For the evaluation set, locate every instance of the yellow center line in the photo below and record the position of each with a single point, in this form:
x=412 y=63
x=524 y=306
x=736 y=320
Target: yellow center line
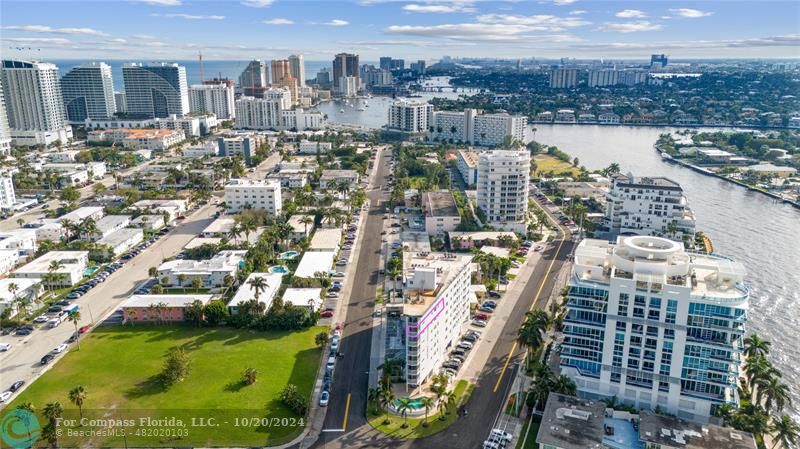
x=346 y=412
x=535 y=300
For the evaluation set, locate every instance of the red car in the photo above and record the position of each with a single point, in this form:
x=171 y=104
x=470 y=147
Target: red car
x=83 y=329
x=482 y=316
x=326 y=313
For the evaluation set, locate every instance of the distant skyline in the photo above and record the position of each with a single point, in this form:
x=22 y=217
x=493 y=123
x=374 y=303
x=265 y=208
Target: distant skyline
x=423 y=29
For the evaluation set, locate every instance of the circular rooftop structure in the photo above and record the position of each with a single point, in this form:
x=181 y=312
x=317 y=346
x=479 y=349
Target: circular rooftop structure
x=651 y=247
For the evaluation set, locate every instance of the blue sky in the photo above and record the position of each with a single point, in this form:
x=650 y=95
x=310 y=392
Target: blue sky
x=423 y=29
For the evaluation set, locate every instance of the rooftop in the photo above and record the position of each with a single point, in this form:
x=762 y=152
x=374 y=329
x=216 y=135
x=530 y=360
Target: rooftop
x=335 y=174
x=246 y=292
x=120 y=236
x=169 y=300
x=81 y=214
x=241 y=182
x=439 y=203
x=112 y=221
x=200 y=241
x=646 y=181
x=313 y=262
x=297 y=226
x=69 y=260
x=572 y=423
x=140 y=133
x=425 y=275
x=223 y=261
x=21 y=283
x=326 y=238
x=469 y=157
x=221 y=225
x=669 y=431
x=301 y=296
x=480 y=236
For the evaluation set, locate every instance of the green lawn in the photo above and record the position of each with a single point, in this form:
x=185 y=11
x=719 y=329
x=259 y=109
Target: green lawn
x=185 y=291
x=117 y=367
x=530 y=443
x=415 y=428
x=546 y=163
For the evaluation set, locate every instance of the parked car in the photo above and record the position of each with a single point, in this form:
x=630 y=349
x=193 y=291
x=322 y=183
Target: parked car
x=324 y=398
x=493 y=294
x=466 y=345
x=486 y=309
x=459 y=353
x=84 y=329
x=5 y=347
x=5 y=395
x=481 y=316
x=332 y=295
x=23 y=331
x=60 y=348
x=42 y=318
x=326 y=314
x=500 y=434
x=479 y=323
x=47 y=358
x=16 y=385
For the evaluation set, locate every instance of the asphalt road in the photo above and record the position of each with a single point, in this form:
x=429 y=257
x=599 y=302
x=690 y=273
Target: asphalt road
x=487 y=398
x=348 y=403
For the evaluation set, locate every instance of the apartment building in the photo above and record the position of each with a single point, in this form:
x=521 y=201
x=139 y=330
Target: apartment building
x=563 y=78
x=211 y=272
x=88 y=92
x=655 y=326
x=648 y=206
x=71 y=265
x=441 y=212
x=410 y=116
x=503 y=188
x=155 y=90
x=140 y=139
x=330 y=178
x=311 y=147
x=467 y=163
x=7 y=196
x=435 y=309
x=249 y=194
x=472 y=127
x=217 y=99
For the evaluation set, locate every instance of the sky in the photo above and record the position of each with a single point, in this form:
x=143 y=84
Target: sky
x=422 y=29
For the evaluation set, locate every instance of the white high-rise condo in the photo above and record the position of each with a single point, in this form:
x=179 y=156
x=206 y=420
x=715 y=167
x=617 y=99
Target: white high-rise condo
x=33 y=103
x=7 y=197
x=648 y=206
x=88 y=92
x=478 y=129
x=297 y=69
x=263 y=113
x=156 y=90
x=655 y=326
x=5 y=131
x=217 y=99
x=410 y=116
x=563 y=78
x=503 y=188
x=243 y=194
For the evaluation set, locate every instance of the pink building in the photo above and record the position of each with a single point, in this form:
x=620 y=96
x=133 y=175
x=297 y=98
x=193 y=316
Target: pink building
x=158 y=308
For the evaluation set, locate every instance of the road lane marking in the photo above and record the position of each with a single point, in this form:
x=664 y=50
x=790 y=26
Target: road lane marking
x=346 y=412
x=535 y=300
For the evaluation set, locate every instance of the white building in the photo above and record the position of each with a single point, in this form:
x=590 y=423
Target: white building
x=655 y=326
x=330 y=178
x=22 y=240
x=303 y=297
x=410 y=116
x=156 y=90
x=311 y=147
x=83 y=213
x=249 y=194
x=140 y=139
x=348 y=86
x=108 y=225
x=297 y=69
x=467 y=163
x=34 y=103
x=7 y=196
x=648 y=206
x=121 y=104
x=326 y=239
x=263 y=113
x=299 y=120
x=8 y=260
x=301 y=230
x=217 y=99
x=121 y=240
x=5 y=131
x=71 y=266
x=88 y=92
x=314 y=262
x=221 y=227
x=441 y=212
x=478 y=129
x=247 y=293
x=602 y=78
x=148 y=222
x=563 y=78
x=28 y=289
x=173 y=208
x=191 y=126
x=212 y=272
x=436 y=310
x=503 y=188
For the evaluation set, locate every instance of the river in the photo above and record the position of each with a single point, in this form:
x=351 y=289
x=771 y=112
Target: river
x=754 y=229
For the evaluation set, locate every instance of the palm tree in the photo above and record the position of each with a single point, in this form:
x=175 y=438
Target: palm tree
x=531 y=334
x=152 y=272
x=785 y=432
x=52 y=411
x=758 y=368
x=771 y=392
x=426 y=402
x=181 y=280
x=403 y=406
x=306 y=220
x=372 y=395
x=755 y=346
x=446 y=401
x=385 y=399
x=28 y=414
x=258 y=285
x=564 y=385
x=74 y=317
x=78 y=396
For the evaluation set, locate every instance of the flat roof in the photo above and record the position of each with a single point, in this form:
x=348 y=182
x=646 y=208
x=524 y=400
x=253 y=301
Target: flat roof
x=495 y=251
x=314 y=261
x=440 y=203
x=246 y=292
x=572 y=423
x=221 y=225
x=301 y=296
x=326 y=238
x=200 y=241
x=222 y=261
x=67 y=258
x=674 y=432
x=469 y=157
x=121 y=235
x=21 y=283
x=81 y=213
x=139 y=301
x=294 y=222
x=333 y=174
x=112 y=221
x=445 y=266
x=482 y=235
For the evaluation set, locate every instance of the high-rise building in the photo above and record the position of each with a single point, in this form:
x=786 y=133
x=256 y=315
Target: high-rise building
x=477 y=129
x=120 y=103
x=655 y=326
x=255 y=75
x=436 y=309
x=418 y=68
x=348 y=86
x=561 y=78
x=281 y=70
x=217 y=99
x=503 y=188
x=243 y=194
x=631 y=77
x=263 y=113
x=297 y=69
x=33 y=102
x=385 y=62
x=410 y=116
x=602 y=77
x=345 y=65
x=658 y=60
x=5 y=131
x=373 y=77
x=648 y=206
x=156 y=90
x=324 y=78
x=7 y=197
x=89 y=92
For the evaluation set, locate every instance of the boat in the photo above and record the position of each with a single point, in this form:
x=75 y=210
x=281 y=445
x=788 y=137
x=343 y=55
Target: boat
x=341 y=110
x=360 y=109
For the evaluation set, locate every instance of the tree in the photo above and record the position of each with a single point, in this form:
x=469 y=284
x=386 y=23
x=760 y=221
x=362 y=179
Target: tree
x=181 y=280
x=531 y=334
x=152 y=272
x=292 y=398
x=403 y=407
x=258 y=284
x=99 y=189
x=785 y=432
x=176 y=367
x=564 y=385
x=69 y=195
x=26 y=413
x=215 y=313
x=306 y=220
x=74 y=317
x=756 y=346
x=385 y=399
x=197 y=283
x=427 y=403
x=53 y=411
x=249 y=376
x=321 y=339
x=372 y=397
x=78 y=396
x=772 y=392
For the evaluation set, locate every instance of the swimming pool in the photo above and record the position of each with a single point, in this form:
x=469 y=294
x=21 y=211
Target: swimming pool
x=288 y=255
x=278 y=269
x=416 y=403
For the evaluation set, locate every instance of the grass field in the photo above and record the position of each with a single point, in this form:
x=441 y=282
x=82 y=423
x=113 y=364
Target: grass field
x=546 y=163
x=415 y=427
x=530 y=443
x=117 y=367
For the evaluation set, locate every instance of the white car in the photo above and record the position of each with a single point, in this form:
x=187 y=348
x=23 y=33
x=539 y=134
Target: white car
x=5 y=395
x=337 y=333
x=5 y=347
x=499 y=434
x=335 y=345
x=324 y=398
x=465 y=345
x=41 y=319
x=60 y=348
x=479 y=323
x=490 y=445
x=332 y=295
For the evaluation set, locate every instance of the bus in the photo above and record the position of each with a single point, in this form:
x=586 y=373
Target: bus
x=71 y=309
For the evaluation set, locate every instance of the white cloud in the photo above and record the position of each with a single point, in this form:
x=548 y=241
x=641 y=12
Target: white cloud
x=542 y=22
x=630 y=27
x=578 y=12
x=258 y=3
x=118 y=40
x=189 y=16
x=154 y=44
x=455 y=7
x=563 y=2
x=38 y=40
x=631 y=14
x=690 y=13
x=162 y=2
x=665 y=17
x=480 y=32
x=144 y=36
x=336 y=23
x=789 y=40
x=48 y=29
x=278 y=21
